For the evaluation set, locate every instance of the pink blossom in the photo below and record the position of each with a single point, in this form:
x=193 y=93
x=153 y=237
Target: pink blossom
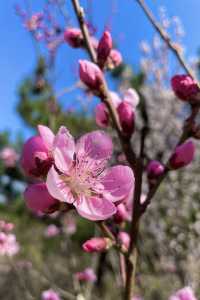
x=96 y=244
x=184 y=294
x=121 y=214
x=184 y=87
x=34 y=22
x=104 y=48
x=69 y=225
x=73 y=37
x=7 y=227
x=50 y=295
x=154 y=169
x=51 y=231
x=37 y=153
x=115 y=58
x=9 y=157
x=183 y=155
x=126 y=117
x=124 y=239
x=86 y=275
x=8 y=244
x=91 y=75
x=81 y=178
x=38 y=198
x=101 y=115
x=131 y=96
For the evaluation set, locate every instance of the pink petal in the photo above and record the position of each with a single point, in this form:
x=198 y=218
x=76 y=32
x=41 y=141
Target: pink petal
x=95 y=209
x=64 y=148
x=57 y=187
x=101 y=115
x=46 y=135
x=96 y=145
x=118 y=182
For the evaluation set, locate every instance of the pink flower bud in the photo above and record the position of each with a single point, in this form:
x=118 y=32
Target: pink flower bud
x=38 y=199
x=101 y=115
x=51 y=231
x=91 y=75
x=154 y=169
x=126 y=117
x=35 y=160
x=183 y=155
x=73 y=36
x=121 y=214
x=104 y=48
x=184 y=294
x=97 y=244
x=184 y=87
x=86 y=275
x=9 y=157
x=124 y=239
x=50 y=295
x=115 y=58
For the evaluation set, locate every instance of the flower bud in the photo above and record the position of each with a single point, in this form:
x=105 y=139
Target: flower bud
x=184 y=294
x=124 y=239
x=50 y=295
x=38 y=198
x=104 y=48
x=183 y=155
x=154 y=169
x=126 y=117
x=115 y=58
x=90 y=75
x=121 y=214
x=74 y=37
x=184 y=87
x=98 y=244
x=101 y=115
x=86 y=275
x=9 y=157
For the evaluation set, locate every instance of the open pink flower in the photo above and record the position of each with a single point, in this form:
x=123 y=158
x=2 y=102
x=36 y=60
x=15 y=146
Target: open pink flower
x=184 y=294
x=80 y=177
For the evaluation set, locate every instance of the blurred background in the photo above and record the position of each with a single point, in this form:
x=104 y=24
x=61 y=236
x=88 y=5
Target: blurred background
x=40 y=85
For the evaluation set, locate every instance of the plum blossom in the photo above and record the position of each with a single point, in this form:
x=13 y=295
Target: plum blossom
x=34 y=22
x=51 y=231
x=86 y=275
x=8 y=244
x=9 y=157
x=124 y=239
x=184 y=294
x=80 y=177
x=50 y=295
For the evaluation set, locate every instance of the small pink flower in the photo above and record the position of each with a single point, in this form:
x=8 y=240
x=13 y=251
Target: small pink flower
x=73 y=36
x=9 y=157
x=97 y=244
x=184 y=87
x=131 y=96
x=50 y=295
x=8 y=227
x=91 y=75
x=81 y=178
x=37 y=153
x=183 y=155
x=154 y=169
x=184 y=294
x=124 y=239
x=86 y=275
x=104 y=48
x=126 y=117
x=115 y=58
x=38 y=198
x=121 y=214
x=8 y=244
x=51 y=231
x=34 y=22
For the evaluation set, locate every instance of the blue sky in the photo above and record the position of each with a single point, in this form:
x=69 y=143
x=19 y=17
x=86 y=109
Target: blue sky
x=129 y=27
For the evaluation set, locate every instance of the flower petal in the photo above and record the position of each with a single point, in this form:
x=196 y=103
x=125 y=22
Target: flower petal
x=47 y=136
x=57 y=187
x=63 y=149
x=118 y=182
x=94 y=208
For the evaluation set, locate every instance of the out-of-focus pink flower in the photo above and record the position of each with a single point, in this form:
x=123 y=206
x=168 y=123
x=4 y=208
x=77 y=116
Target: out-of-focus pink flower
x=8 y=244
x=104 y=48
x=69 y=225
x=80 y=176
x=126 y=117
x=37 y=153
x=154 y=169
x=184 y=294
x=115 y=58
x=51 y=231
x=121 y=214
x=34 y=22
x=91 y=75
x=9 y=157
x=7 y=227
x=86 y=275
x=50 y=295
x=74 y=37
x=96 y=244
x=184 y=87
x=124 y=239
x=38 y=198
x=131 y=96
x=136 y=298
x=183 y=155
